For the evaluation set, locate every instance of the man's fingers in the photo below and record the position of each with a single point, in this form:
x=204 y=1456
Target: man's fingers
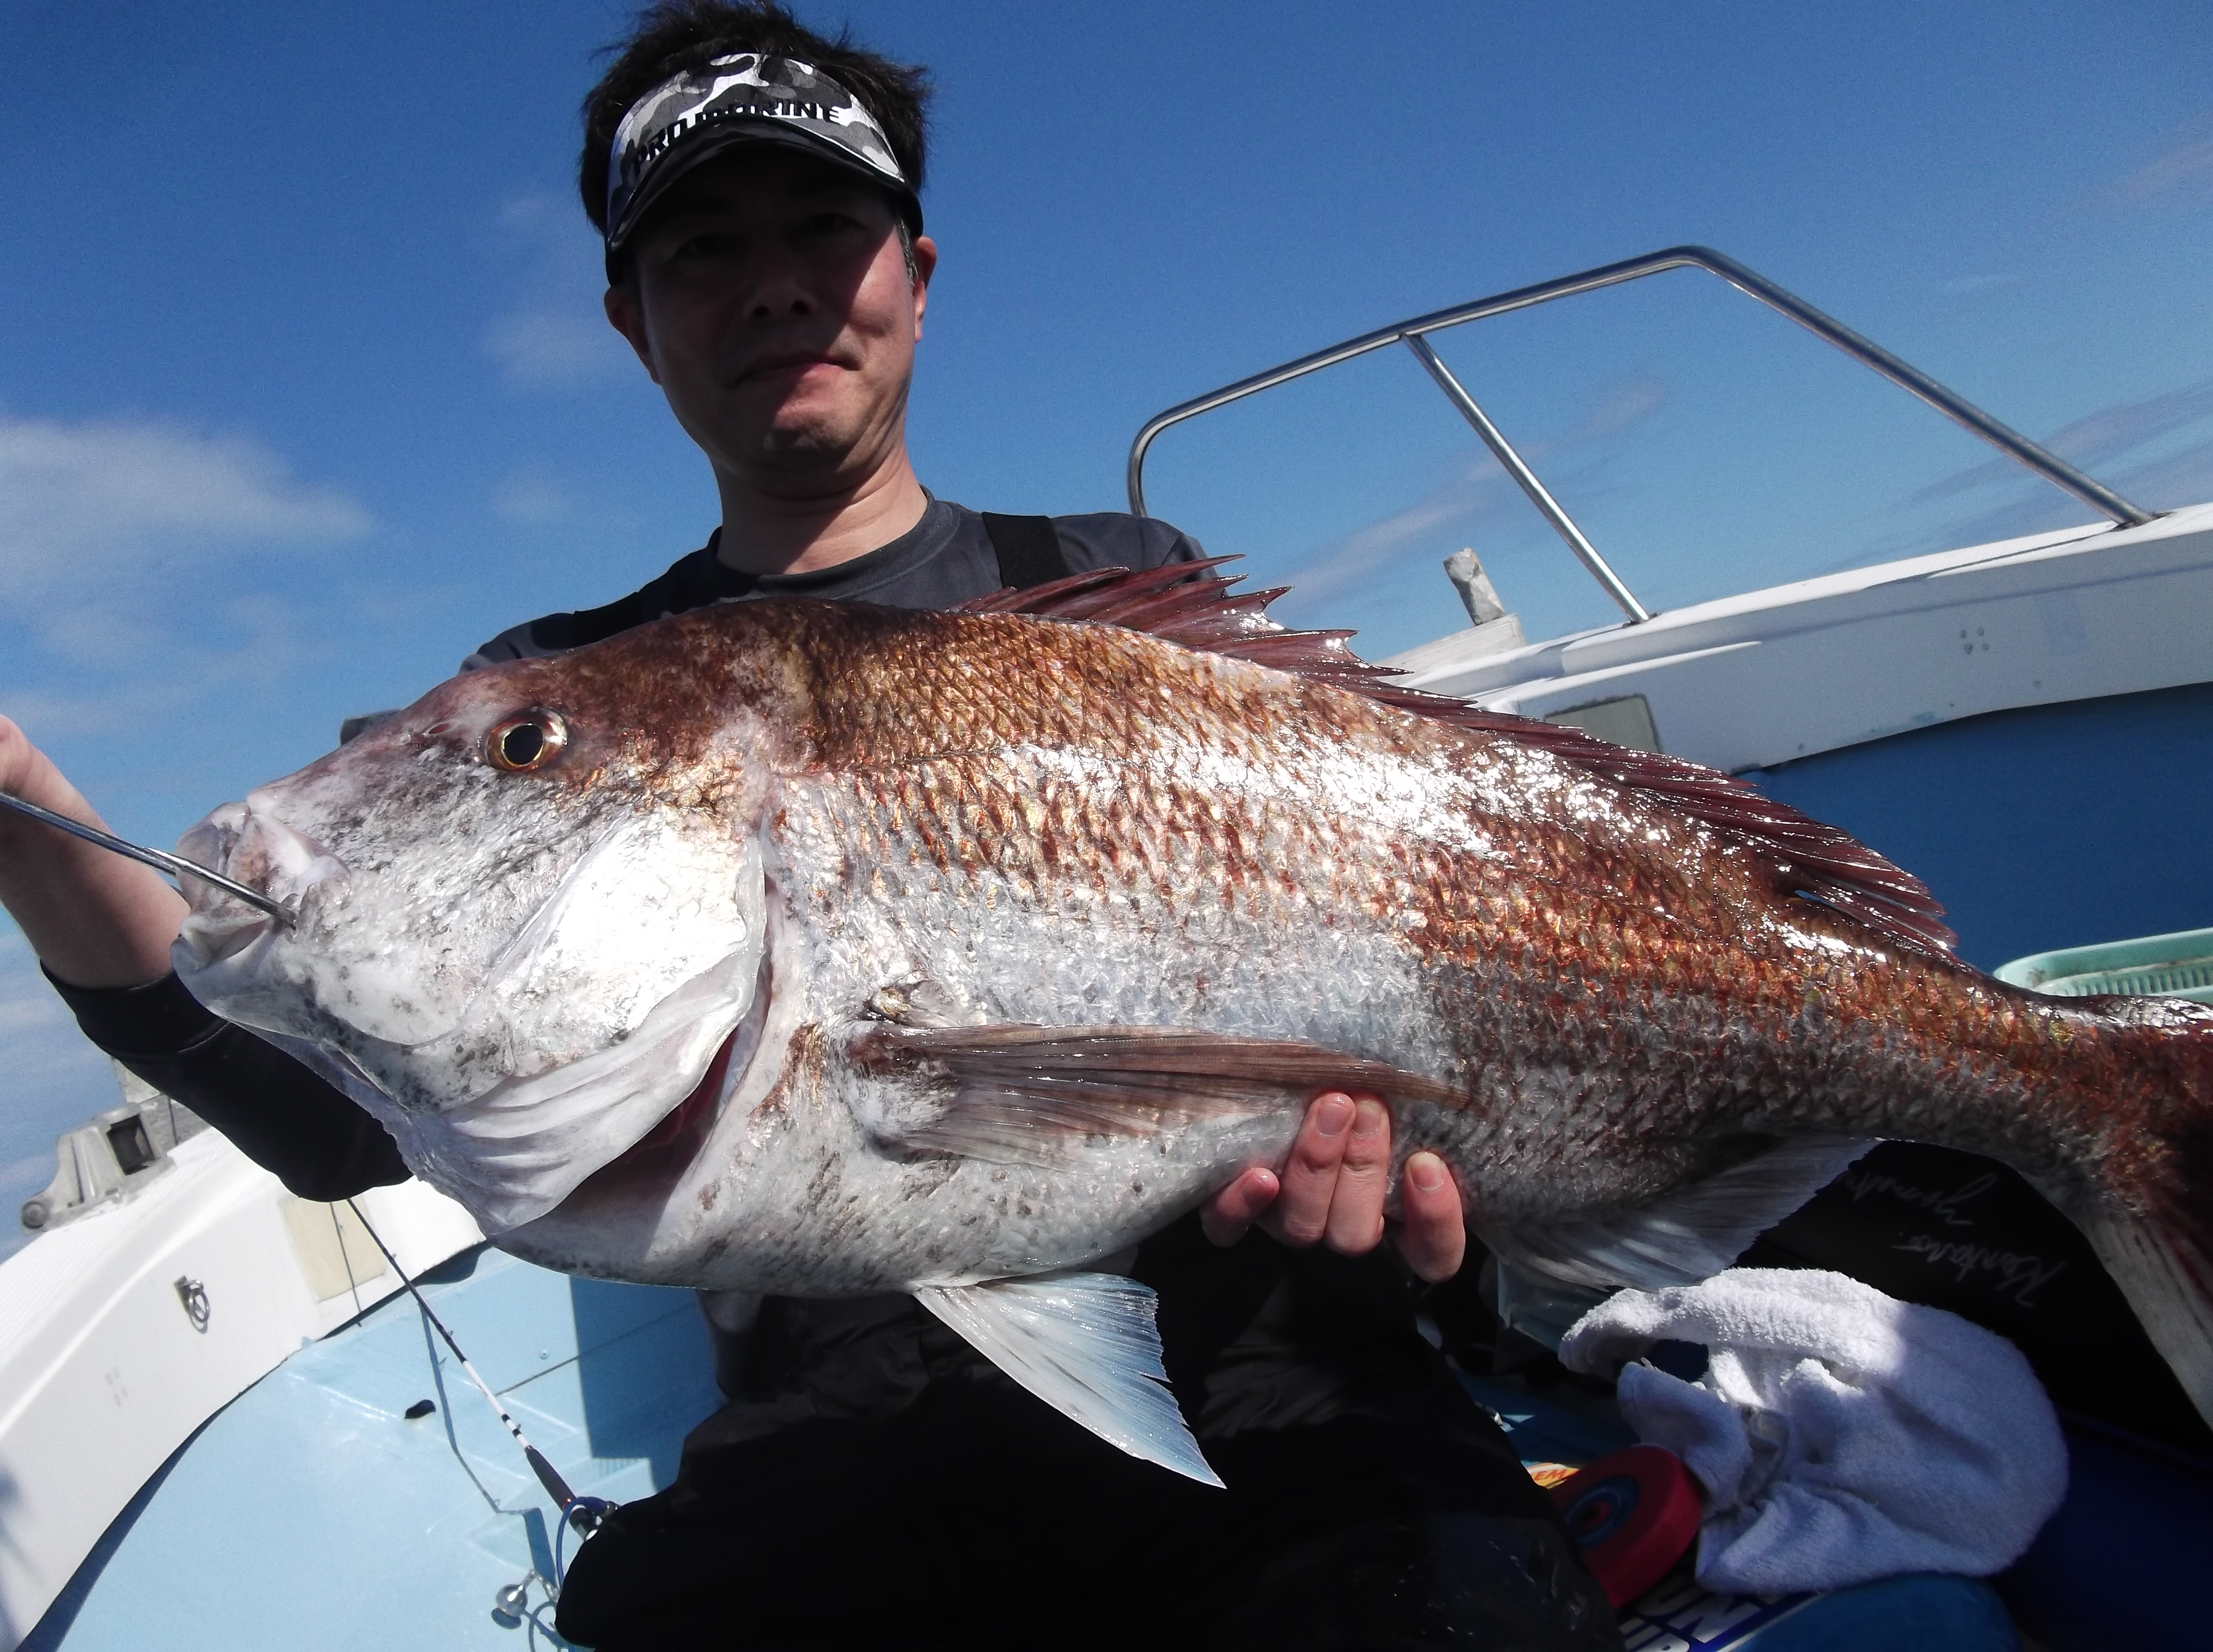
x=1355 y=1207
x=1301 y=1216
x=1433 y=1237
x=15 y=757
x=1332 y=1189
x=1236 y=1207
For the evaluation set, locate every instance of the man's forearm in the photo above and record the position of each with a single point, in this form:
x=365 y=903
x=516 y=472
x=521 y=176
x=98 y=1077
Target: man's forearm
x=279 y=1114
x=94 y=918
x=102 y=925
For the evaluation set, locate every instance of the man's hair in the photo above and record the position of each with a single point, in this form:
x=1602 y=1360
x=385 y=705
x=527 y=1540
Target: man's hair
x=673 y=36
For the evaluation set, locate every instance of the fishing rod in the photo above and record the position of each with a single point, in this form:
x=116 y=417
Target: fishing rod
x=161 y=860
x=585 y=1514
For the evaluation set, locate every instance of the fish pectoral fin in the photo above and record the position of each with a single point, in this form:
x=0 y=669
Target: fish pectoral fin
x=1030 y=1095
x=1690 y=1234
x=1086 y=1344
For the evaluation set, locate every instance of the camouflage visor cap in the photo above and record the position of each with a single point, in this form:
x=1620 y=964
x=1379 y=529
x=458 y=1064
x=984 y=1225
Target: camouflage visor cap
x=747 y=97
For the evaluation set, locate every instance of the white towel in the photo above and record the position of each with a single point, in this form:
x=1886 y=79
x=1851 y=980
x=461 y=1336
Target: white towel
x=1841 y=1435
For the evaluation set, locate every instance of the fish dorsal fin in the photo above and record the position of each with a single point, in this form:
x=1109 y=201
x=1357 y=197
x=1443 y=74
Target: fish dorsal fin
x=1086 y=1344
x=1188 y=603
x=1690 y=1235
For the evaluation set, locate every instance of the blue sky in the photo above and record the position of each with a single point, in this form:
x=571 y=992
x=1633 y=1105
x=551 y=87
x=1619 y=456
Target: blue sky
x=305 y=390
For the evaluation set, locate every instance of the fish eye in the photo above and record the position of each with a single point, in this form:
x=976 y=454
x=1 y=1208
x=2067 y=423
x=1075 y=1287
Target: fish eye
x=529 y=740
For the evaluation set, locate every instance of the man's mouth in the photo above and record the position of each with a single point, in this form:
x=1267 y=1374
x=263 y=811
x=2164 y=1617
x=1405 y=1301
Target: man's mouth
x=794 y=363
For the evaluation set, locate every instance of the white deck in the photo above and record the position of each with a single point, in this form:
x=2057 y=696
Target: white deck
x=104 y=1372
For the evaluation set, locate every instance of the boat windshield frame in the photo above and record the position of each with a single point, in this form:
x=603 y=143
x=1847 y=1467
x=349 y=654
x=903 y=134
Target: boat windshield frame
x=1414 y=334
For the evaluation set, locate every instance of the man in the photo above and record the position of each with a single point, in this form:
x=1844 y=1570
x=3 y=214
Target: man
x=873 y=1481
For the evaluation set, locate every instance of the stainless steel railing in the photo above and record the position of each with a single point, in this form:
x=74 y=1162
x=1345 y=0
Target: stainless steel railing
x=1414 y=335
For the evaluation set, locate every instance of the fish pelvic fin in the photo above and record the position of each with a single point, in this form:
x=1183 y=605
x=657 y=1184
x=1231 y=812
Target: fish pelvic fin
x=1688 y=1236
x=1086 y=1344
x=1023 y=1095
x=1189 y=604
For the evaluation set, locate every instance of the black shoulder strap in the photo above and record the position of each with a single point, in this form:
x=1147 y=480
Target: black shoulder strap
x=1029 y=550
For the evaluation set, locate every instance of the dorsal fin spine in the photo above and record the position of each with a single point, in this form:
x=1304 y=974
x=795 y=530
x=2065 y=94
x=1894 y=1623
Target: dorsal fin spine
x=1189 y=604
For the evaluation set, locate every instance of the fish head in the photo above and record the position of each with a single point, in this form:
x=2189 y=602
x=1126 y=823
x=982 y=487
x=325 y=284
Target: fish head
x=522 y=917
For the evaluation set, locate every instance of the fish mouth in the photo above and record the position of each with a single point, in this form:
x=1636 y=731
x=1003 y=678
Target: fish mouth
x=246 y=843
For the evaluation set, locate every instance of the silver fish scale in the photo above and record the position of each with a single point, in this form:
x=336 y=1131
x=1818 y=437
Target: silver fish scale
x=1177 y=887
x=949 y=871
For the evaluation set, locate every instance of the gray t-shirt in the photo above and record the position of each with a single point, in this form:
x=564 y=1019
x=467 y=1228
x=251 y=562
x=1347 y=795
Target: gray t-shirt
x=944 y=558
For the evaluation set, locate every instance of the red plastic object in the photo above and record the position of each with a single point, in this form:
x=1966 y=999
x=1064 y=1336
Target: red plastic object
x=1634 y=1515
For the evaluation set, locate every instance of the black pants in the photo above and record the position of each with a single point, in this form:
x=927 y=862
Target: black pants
x=979 y=1518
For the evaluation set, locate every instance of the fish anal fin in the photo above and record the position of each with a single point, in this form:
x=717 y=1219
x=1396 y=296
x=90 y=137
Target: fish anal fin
x=1690 y=1235
x=1086 y=1344
x=1029 y=1094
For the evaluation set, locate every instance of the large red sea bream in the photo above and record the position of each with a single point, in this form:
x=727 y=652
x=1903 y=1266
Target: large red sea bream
x=821 y=950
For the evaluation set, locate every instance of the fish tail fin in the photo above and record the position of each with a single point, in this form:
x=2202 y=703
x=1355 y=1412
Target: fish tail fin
x=2156 y=1237
x=2166 y=1279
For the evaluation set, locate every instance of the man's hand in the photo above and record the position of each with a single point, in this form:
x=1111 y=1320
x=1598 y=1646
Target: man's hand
x=1332 y=1192
x=94 y=918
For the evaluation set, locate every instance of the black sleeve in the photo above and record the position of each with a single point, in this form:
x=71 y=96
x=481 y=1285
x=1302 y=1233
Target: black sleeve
x=318 y=1142
x=693 y=580
x=557 y=633
x=1114 y=539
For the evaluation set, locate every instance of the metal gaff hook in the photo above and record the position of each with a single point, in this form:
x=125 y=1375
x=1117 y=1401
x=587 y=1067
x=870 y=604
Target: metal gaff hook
x=159 y=860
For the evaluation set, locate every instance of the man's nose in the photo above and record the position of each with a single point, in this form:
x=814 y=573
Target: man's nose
x=770 y=306
x=780 y=287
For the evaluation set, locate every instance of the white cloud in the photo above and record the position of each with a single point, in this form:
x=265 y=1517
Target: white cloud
x=541 y=346
x=85 y=503
x=2175 y=479
x=1474 y=492
x=1971 y=286
x=19 y=1017
x=529 y=499
x=1623 y=404
x=107 y=529
x=2179 y=179
x=51 y=1079
x=28 y=1004
x=263 y=639
x=2103 y=437
x=2182 y=177
x=554 y=334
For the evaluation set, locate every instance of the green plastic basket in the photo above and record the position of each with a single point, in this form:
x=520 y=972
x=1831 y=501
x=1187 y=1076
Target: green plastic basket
x=2179 y=965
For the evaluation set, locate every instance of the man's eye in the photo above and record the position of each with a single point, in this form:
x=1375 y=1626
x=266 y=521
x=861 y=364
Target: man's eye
x=707 y=245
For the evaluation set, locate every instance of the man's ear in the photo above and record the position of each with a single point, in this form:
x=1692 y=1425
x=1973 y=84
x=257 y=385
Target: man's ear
x=627 y=317
x=926 y=266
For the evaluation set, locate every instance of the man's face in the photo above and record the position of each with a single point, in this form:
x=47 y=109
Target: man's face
x=770 y=300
